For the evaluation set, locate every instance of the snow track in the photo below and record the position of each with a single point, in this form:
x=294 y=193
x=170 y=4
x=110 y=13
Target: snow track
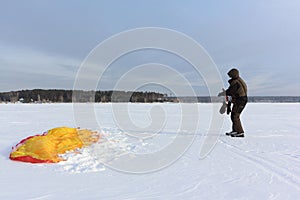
x=268 y=166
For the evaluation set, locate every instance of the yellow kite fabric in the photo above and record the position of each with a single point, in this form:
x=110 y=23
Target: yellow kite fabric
x=48 y=147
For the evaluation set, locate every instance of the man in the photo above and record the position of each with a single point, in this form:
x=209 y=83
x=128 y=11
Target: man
x=238 y=92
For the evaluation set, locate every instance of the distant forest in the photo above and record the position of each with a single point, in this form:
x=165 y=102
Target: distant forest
x=66 y=96
x=53 y=95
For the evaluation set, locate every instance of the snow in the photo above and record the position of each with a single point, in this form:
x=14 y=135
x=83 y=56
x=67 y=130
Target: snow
x=263 y=165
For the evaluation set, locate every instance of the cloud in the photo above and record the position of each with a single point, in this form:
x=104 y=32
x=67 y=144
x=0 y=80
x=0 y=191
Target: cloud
x=23 y=68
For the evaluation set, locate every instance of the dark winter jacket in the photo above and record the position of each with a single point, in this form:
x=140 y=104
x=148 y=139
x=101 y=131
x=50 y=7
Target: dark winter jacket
x=238 y=88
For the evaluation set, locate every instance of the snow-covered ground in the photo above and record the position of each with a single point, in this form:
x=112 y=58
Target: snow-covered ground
x=263 y=165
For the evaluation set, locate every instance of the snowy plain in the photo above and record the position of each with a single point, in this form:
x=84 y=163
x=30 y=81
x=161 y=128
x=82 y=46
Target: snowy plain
x=263 y=165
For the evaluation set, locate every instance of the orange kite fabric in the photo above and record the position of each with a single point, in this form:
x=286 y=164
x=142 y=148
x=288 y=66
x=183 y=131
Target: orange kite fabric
x=48 y=147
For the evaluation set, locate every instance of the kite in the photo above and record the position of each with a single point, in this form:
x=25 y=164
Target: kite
x=47 y=147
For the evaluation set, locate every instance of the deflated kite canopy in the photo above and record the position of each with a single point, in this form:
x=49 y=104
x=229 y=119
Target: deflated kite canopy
x=48 y=147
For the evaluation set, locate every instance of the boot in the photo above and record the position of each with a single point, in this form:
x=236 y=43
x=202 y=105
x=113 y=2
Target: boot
x=236 y=134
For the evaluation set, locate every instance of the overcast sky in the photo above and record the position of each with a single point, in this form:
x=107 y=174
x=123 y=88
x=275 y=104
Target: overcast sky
x=43 y=43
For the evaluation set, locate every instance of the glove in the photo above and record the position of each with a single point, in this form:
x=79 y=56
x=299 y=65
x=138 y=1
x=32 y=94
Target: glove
x=228 y=107
x=223 y=93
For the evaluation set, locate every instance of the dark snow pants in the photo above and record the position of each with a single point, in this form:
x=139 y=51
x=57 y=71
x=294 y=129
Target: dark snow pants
x=237 y=109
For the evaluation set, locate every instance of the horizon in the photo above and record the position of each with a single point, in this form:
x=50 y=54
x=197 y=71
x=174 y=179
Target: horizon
x=138 y=91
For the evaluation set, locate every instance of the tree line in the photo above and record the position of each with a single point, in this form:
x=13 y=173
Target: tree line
x=54 y=95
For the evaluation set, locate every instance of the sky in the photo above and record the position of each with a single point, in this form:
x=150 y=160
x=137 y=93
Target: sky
x=43 y=43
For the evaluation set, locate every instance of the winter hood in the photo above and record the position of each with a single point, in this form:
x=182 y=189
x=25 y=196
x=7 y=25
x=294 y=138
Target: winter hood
x=233 y=73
